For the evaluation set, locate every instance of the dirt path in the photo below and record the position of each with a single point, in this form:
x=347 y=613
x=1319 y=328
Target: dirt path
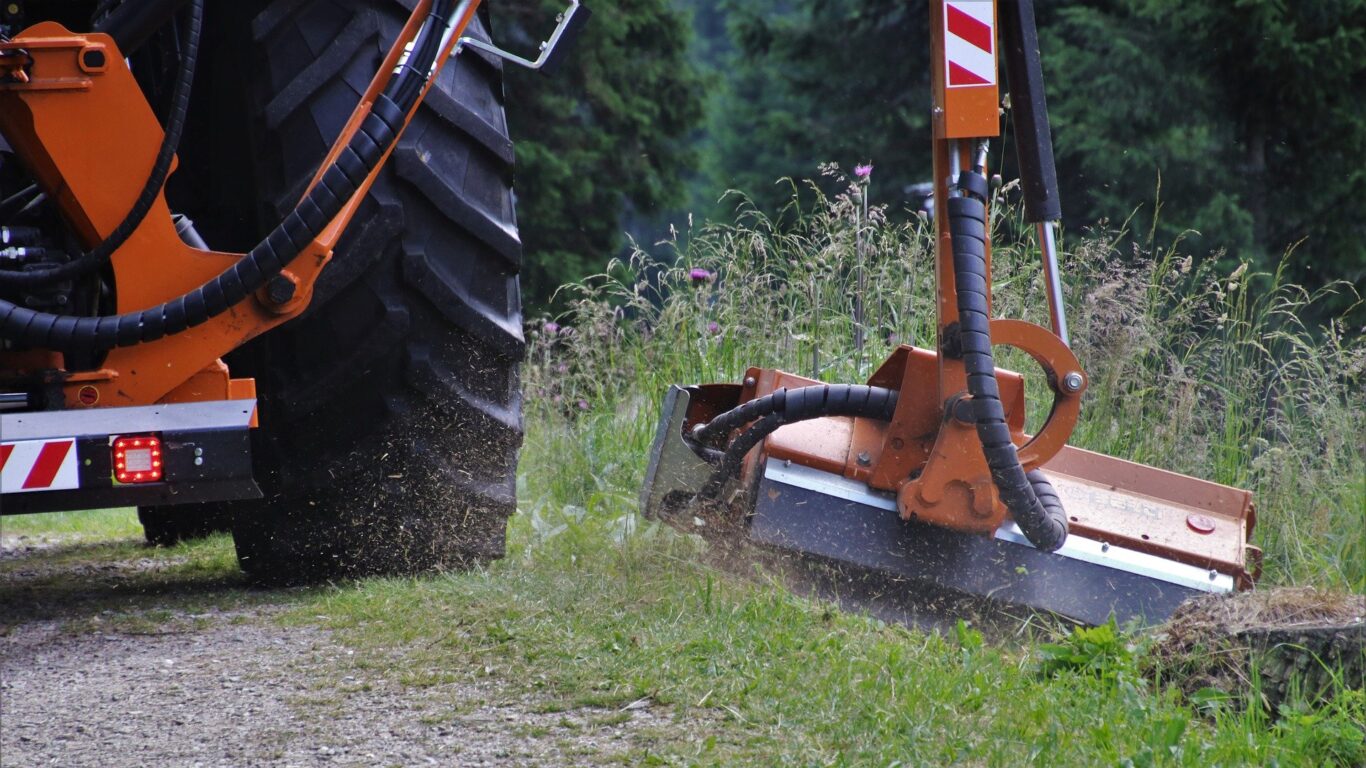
x=232 y=687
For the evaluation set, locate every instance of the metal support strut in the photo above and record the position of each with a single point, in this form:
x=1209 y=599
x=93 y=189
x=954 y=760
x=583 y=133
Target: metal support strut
x=552 y=51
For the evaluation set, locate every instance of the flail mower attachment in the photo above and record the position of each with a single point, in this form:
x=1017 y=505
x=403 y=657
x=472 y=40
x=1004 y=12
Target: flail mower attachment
x=921 y=490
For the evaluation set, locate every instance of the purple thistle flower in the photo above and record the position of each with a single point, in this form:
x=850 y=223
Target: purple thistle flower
x=551 y=327
x=699 y=275
x=713 y=328
x=863 y=171
x=583 y=405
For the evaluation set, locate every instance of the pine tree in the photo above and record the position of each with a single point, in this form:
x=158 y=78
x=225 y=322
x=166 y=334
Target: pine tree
x=602 y=136
x=1241 y=120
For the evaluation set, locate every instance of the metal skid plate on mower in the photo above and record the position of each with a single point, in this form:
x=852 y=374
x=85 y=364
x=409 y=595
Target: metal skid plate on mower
x=674 y=470
x=818 y=514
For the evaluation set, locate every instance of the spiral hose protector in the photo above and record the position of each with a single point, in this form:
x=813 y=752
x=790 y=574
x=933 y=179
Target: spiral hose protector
x=1029 y=497
x=787 y=406
x=286 y=241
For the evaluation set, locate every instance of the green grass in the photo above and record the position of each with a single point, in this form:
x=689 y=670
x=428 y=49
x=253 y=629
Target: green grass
x=754 y=676
x=94 y=524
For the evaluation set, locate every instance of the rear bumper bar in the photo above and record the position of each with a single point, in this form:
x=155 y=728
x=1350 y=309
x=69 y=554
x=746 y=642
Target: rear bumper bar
x=61 y=460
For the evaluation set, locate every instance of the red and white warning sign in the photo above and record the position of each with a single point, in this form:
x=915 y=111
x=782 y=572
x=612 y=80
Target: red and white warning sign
x=38 y=465
x=969 y=43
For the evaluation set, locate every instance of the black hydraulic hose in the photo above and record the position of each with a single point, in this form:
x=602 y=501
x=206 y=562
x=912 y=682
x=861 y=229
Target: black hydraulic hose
x=426 y=45
x=289 y=238
x=1030 y=498
x=175 y=124
x=734 y=457
x=787 y=406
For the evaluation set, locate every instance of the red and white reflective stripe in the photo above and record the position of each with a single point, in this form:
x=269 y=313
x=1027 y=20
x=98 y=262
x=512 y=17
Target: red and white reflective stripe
x=969 y=43
x=38 y=465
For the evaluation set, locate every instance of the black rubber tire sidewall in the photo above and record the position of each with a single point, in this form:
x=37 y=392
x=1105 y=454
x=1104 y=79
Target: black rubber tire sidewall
x=390 y=411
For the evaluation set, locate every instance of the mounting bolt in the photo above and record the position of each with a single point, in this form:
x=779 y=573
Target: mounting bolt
x=280 y=289
x=1213 y=574
x=864 y=459
x=1073 y=382
x=749 y=381
x=962 y=410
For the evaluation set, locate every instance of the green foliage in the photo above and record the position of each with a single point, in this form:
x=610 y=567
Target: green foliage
x=1241 y=109
x=600 y=138
x=811 y=81
x=1238 y=120
x=1100 y=651
x=1335 y=731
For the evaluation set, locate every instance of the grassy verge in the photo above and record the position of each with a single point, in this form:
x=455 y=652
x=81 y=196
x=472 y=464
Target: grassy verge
x=754 y=676
x=733 y=671
x=95 y=524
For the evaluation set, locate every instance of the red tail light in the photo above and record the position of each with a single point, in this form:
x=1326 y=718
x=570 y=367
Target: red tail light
x=137 y=459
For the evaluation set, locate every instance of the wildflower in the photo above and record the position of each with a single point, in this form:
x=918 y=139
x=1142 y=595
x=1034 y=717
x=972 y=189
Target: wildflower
x=863 y=171
x=551 y=328
x=583 y=405
x=698 y=275
x=713 y=328
x=562 y=368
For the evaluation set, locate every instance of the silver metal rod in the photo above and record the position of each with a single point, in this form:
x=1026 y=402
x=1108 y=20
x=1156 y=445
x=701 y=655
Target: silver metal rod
x=10 y=401
x=955 y=167
x=1057 y=314
x=543 y=54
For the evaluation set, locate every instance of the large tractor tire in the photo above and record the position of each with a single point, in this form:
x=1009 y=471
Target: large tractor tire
x=168 y=526
x=390 y=410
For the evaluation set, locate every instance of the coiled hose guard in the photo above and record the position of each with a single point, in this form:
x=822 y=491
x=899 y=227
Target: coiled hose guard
x=1029 y=497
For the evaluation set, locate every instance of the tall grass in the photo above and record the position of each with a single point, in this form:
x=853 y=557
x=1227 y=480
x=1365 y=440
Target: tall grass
x=1207 y=372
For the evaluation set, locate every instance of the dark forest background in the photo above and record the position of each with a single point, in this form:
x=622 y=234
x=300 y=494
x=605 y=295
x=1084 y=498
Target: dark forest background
x=1240 y=124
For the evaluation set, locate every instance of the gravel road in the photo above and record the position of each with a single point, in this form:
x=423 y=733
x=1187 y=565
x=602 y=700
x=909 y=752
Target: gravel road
x=232 y=687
